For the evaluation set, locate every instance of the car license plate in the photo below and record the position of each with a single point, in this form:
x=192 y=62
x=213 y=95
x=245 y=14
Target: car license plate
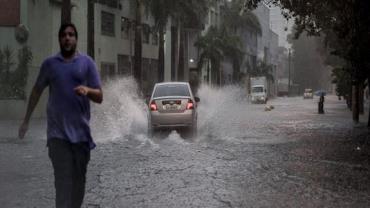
x=170 y=107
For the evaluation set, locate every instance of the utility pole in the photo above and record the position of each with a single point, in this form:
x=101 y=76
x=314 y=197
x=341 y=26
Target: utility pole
x=289 y=57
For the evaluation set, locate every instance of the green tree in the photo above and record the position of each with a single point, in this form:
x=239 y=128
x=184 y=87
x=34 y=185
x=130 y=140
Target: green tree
x=211 y=46
x=346 y=22
x=161 y=11
x=215 y=46
x=184 y=14
x=234 y=21
x=187 y=14
x=263 y=69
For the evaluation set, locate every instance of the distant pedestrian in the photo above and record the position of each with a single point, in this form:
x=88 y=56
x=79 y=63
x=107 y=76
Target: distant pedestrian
x=321 y=104
x=73 y=81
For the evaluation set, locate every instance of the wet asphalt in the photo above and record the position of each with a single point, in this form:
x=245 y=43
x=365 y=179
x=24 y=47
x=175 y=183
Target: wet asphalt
x=243 y=156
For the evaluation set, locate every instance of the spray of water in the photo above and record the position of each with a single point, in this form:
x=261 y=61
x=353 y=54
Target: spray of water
x=122 y=114
x=220 y=109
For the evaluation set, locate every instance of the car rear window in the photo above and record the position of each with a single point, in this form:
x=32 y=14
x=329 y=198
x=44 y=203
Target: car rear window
x=257 y=89
x=171 y=90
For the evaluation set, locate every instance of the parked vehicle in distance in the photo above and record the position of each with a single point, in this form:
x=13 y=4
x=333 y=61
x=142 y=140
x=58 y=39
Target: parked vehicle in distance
x=308 y=94
x=172 y=106
x=258 y=90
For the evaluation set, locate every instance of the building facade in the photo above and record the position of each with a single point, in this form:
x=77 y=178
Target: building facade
x=112 y=42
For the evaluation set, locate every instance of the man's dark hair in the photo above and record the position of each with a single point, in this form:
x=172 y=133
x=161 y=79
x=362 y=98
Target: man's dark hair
x=64 y=26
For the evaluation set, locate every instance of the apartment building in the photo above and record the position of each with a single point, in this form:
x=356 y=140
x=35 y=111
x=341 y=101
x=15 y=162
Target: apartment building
x=112 y=46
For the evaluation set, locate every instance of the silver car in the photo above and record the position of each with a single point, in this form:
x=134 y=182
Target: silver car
x=172 y=106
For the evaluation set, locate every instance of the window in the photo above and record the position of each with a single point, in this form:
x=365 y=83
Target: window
x=107 y=24
x=146 y=33
x=125 y=28
x=124 y=65
x=257 y=89
x=110 y=3
x=10 y=13
x=171 y=90
x=155 y=39
x=107 y=71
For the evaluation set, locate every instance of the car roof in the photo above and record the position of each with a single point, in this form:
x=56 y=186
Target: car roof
x=169 y=83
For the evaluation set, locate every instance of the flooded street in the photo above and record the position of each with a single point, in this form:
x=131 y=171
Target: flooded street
x=243 y=156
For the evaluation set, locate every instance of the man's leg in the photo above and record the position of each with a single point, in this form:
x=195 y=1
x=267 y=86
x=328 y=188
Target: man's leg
x=81 y=155
x=60 y=153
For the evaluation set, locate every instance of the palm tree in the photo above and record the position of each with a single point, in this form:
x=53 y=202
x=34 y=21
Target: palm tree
x=215 y=46
x=234 y=21
x=182 y=12
x=187 y=13
x=232 y=50
x=211 y=46
x=263 y=69
x=160 y=10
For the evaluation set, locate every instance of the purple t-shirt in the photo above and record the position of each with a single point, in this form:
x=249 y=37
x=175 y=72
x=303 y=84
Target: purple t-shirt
x=68 y=114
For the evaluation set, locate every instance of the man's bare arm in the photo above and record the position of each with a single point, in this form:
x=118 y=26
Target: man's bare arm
x=34 y=99
x=96 y=95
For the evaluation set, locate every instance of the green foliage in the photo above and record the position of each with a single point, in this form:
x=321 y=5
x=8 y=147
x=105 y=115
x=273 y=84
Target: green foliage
x=233 y=17
x=216 y=45
x=262 y=69
x=345 y=24
x=342 y=79
x=13 y=83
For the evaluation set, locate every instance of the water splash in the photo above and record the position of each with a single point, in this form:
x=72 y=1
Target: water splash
x=218 y=110
x=123 y=113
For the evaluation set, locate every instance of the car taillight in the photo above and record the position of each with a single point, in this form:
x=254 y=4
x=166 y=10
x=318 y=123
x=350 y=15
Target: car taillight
x=153 y=106
x=190 y=105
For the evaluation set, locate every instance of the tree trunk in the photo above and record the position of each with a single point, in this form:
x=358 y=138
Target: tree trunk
x=361 y=98
x=174 y=52
x=368 y=85
x=236 y=69
x=138 y=45
x=214 y=72
x=66 y=12
x=180 y=71
x=161 y=55
x=90 y=29
x=355 y=102
x=349 y=99
x=208 y=71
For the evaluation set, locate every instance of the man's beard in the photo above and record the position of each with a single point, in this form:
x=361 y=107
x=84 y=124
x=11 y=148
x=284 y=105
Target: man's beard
x=67 y=53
